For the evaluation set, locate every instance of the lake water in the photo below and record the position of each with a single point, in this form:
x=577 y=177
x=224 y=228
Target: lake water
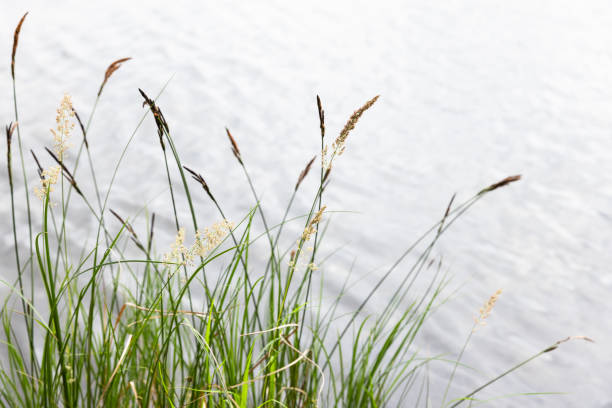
x=471 y=92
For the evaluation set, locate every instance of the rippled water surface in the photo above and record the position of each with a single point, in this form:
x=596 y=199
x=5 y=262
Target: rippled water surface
x=471 y=92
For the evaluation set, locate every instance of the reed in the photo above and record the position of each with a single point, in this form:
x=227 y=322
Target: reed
x=202 y=323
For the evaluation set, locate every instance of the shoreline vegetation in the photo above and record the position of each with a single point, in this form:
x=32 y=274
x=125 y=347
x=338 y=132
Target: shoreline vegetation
x=202 y=324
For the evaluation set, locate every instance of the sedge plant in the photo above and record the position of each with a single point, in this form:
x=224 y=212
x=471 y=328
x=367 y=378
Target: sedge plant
x=202 y=323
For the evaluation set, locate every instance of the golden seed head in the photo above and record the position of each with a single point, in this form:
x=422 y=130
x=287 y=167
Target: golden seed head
x=64 y=125
x=177 y=249
x=210 y=238
x=311 y=228
x=339 y=145
x=48 y=178
x=205 y=241
x=485 y=311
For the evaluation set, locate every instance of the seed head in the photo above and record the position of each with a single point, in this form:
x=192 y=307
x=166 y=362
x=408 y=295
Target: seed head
x=235 y=149
x=209 y=238
x=9 y=136
x=48 y=179
x=485 y=311
x=304 y=173
x=321 y=117
x=339 y=144
x=502 y=183
x=177 y=249
x=15 y=42
x=64 y=125
x=160 y=121
x=110 y=70
x=311 y=228
x=198 y=177
x=205 y=241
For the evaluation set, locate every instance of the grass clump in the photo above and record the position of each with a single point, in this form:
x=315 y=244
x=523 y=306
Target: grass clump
x=204 y=324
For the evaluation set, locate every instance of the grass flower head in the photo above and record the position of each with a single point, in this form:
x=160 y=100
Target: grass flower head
x=205 y=241
x=311 y=228
x=48 y=178
x=64 y=125
x=485 y=311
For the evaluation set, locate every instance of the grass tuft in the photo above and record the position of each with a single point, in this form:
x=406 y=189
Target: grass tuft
x=118 y=322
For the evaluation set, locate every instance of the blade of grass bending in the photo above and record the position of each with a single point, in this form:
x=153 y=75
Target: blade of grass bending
x=467 y=203
x=456 y=213
x=552 y=347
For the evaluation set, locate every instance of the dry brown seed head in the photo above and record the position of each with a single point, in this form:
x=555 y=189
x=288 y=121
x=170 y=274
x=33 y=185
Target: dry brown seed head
x=10 y=128
x=198 y=177
x=502 y=183
x=160 y=121
x=235 y=149
x=321 y=117
x=15 y=42
x=9 y=136
x=304 y=173
x=110 y=70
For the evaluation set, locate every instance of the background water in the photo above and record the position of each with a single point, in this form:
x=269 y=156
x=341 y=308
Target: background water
x=471 y=92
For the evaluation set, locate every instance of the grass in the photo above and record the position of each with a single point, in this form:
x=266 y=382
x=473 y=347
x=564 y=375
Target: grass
x=205 y=324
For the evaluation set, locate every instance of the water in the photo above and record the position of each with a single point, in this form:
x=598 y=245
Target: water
x=470 y=92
